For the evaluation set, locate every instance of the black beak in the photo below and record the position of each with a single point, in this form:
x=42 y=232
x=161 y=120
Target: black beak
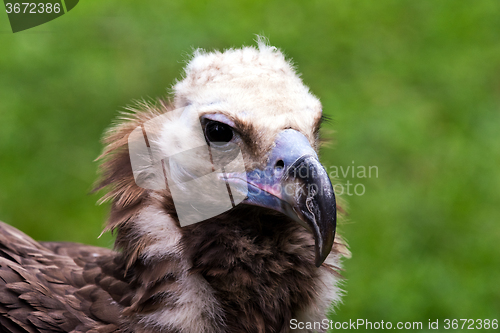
x=296 y=184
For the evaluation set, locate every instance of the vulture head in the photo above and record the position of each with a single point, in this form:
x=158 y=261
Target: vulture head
x=271 y=253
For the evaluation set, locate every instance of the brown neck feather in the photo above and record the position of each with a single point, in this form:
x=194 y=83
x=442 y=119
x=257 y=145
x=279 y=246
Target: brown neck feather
x=260 y=264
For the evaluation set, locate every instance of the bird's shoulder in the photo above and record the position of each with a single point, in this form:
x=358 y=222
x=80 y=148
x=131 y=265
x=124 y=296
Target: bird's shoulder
x=58 y=287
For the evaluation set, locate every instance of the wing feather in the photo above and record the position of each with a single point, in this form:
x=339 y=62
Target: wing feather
x=57 y=287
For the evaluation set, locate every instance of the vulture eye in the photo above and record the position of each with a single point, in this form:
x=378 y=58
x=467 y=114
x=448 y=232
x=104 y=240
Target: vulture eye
x=218 y=133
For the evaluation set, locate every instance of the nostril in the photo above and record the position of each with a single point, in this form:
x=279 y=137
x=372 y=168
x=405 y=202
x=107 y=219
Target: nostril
x=279 y=165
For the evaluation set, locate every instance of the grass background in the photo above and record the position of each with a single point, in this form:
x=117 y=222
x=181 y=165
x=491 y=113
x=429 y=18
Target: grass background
x=412 y=87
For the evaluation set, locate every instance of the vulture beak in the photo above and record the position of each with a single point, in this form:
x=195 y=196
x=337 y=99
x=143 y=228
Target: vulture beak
x=297 y=185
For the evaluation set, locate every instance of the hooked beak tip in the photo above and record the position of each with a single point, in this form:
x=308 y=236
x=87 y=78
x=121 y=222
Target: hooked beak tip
x=306 y=197
x=304 y=190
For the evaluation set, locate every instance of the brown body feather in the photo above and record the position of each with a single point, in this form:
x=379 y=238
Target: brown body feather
x=57 y=287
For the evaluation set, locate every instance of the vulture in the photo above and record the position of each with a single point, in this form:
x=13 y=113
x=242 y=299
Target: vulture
x=223 y=215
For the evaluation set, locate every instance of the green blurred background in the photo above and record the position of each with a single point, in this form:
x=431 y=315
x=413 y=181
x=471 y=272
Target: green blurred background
x=412 y=87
